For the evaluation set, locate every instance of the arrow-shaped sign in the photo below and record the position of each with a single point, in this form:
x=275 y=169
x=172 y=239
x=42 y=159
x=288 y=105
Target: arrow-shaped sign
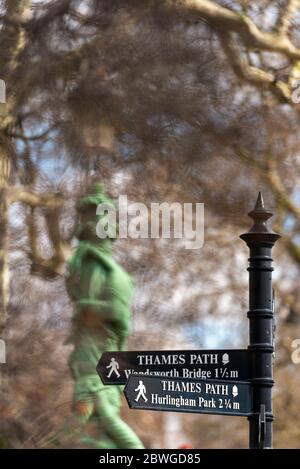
x=230 y=364
x=184 y=395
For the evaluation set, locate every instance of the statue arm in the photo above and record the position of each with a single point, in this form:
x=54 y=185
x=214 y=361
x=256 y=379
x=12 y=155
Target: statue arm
x=93 y=299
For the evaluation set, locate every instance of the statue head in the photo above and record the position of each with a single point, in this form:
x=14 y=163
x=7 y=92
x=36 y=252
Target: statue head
x=89 y=218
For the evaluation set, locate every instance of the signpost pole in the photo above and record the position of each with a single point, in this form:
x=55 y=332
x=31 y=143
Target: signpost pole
x=260 y=241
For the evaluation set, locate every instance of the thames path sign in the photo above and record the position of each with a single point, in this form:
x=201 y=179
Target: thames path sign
x=116 y=367
x=184 y=395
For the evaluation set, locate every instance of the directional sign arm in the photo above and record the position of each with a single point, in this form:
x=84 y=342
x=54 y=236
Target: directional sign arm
x=197 y=396
x=229 y=364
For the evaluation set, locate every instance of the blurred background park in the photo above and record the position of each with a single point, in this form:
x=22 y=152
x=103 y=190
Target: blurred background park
x=164 y=101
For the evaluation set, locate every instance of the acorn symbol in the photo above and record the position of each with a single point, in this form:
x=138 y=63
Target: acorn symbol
x=225 y=358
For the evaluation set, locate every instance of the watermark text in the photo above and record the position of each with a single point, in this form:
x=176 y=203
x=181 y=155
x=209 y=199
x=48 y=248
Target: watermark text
x=161 y=220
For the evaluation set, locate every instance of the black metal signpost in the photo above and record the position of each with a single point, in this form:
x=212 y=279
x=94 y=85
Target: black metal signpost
x=225 y=382
x=260 y=240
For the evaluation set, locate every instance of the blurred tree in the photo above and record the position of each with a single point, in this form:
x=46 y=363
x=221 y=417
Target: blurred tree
x=164 y=100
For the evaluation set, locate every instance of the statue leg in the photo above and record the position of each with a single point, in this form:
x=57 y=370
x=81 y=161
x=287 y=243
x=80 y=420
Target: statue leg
x=105 y=442
x=85 y=416
x=108 y=411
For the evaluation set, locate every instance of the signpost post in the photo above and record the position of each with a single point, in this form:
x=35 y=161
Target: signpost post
x=260 y=240
x=224 y=382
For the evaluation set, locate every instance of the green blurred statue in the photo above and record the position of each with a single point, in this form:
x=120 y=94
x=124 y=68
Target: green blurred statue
x=102 y=292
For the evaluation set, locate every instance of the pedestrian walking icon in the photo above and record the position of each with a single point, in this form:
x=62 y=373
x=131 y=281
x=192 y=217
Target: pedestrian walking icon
x=114 y=367
x=141 y=389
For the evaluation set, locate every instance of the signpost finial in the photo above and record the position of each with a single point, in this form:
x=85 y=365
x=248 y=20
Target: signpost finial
x=259 y=234
x=259 y=202
x=260 y=216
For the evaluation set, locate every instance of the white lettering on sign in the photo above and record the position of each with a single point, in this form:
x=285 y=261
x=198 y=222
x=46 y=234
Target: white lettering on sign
x=175 y=401
x=196 y=373
x=161 y=359
x=178 y=359
x=204 y=359
x=181 y=386
x=216 y=389
x=207 y=403
x=168 y=374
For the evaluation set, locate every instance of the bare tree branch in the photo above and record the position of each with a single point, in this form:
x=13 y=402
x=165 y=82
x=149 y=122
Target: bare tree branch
x=250 y=74
x=20 y=194
x=286 y=17
x=251 y=35
x=61 y=248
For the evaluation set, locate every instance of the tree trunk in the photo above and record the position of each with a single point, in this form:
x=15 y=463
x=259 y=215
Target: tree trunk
x=4 y=276
x=13 y=40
